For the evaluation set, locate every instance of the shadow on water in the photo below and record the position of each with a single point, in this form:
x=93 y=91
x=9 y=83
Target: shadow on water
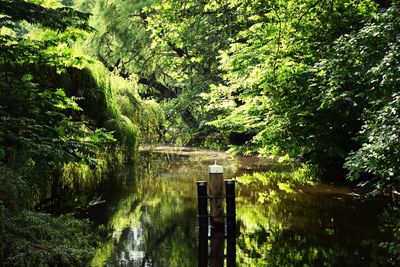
x=154 y=223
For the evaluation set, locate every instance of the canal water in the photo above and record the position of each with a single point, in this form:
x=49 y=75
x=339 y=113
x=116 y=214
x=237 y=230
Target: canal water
x=153 y=219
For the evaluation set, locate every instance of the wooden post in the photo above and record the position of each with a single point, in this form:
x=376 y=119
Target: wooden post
x=203 y=248
x=230 y=222
x=231 y=251
x=217 y=247
x=230 y=207
x=202 y=203
x=216 y=197
x=202 y=206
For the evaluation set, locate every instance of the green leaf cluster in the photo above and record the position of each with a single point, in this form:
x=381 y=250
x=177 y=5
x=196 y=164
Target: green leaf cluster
x=359 y=83
x=268 y=90
x=38 y=121
x=38 y=239
x=317 y=81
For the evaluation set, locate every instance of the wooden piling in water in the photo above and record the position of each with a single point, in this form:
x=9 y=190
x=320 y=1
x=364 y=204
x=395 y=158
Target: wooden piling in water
x=230 y=222
x=217 y=246
x=231 y=251
x=217 y=219
x=216 y=197
x=230 y=207
x=203 y=247
x=202 y=200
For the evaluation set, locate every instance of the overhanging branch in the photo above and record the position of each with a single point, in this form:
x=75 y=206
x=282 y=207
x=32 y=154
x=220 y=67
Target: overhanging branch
x=165 y=92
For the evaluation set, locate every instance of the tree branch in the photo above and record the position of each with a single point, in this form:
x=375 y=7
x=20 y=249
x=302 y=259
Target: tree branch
x=165 y=91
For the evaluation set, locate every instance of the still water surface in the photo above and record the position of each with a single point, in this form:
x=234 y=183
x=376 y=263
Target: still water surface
x=154 y=219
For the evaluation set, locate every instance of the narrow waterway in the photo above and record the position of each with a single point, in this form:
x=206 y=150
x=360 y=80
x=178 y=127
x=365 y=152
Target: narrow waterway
x=154 y=221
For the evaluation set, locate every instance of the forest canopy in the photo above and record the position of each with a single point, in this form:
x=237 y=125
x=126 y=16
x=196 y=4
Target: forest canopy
x=307 y=79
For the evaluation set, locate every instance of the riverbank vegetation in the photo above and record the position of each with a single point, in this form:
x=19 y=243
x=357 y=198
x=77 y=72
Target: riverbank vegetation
x=84 y=82
x=66 y=122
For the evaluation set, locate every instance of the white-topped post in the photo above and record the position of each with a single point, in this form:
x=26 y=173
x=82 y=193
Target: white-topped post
x=216 y=196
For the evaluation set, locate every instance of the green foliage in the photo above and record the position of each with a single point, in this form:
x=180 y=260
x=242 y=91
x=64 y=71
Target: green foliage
x=372 y=74
x=391 y=220
x=268 y=91
x=129 y=117
x=33 y=13
x=355 y=87
x=304 y=79
x=16 y=193
x=295 y=78
x=35 y=126
x=38 y=239
x=42 y=127
x=36 y=119
x=379 y=154
x=120 y=100
x=171 y=52
x=54 y=101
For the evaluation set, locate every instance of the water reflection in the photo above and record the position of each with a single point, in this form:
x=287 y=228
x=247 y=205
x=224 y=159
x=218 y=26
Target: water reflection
x=212 y=250
x=155 y=222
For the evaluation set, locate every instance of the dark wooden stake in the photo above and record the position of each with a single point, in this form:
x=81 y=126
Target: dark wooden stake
x=217 y=249
x=230 y=207
x=230 y=223
x=203 y=248
x=202 y=206
x=231 y=251
x=216 y=197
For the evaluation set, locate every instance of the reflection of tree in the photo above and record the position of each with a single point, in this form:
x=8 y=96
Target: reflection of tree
x=391 y=225
x=145 y=224
x=270 y=243
x=283 y=226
